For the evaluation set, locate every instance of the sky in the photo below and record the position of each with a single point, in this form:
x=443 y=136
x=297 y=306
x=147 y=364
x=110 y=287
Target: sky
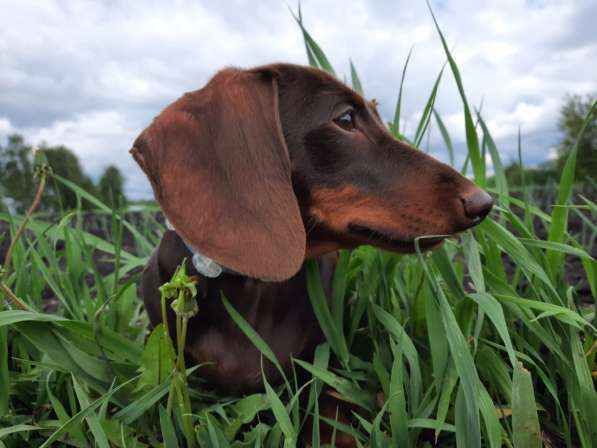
x=91 y=75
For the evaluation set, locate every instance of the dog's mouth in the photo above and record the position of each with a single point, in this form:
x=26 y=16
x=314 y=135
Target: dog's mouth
x=386 y=240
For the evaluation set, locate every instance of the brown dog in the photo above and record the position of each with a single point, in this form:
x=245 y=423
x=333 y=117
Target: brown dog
x=264 y=168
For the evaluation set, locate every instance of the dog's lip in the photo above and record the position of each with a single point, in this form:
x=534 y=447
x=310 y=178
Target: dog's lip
x=386 y=239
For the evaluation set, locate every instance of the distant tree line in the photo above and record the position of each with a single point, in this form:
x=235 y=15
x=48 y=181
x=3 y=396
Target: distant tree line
x=17 y=183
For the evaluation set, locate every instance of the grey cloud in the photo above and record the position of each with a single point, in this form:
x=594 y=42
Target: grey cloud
x=93 y=74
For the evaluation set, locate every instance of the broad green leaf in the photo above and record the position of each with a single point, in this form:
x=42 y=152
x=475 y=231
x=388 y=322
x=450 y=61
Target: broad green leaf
x=11 y=317
x=281 y=415
x=407 y=348
x=492 y=308
x=447 y=387
x=397 y=401
x=138 y=407
x=244 y=412
x=515 y=249
x=564 y=314
x=14 y=429
x=525 y=422
x=158 y=359
x=473 y=261
x=168 y=431
x=332 y=332
x=557 y=247
x=492 y=424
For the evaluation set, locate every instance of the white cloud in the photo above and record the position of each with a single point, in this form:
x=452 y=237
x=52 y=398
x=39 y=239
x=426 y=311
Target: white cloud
x=91 y=75
x=99 y=138
x=93 y=136
x=529 y=117
x=552 y=153
x=5 y=127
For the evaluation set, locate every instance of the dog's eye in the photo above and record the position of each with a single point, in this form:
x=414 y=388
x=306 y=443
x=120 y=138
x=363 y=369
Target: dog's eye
x=345 y=121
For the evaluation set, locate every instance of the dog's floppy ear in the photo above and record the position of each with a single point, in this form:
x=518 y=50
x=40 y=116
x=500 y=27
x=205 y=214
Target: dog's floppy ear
x=219 y=167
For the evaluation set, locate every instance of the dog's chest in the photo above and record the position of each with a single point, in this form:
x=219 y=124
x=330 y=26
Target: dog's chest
x=280 y=313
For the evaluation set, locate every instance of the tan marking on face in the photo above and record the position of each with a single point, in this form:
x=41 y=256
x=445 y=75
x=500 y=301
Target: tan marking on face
x=327 y=203
x=341 y=206
x=338 y=207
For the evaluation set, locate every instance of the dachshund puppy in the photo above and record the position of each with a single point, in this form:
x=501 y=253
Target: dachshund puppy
x=263 y=169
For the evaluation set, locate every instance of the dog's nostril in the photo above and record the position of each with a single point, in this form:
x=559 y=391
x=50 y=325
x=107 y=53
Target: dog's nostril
x=477 y=205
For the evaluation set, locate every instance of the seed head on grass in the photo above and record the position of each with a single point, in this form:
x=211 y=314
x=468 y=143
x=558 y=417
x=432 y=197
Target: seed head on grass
x=182 y=289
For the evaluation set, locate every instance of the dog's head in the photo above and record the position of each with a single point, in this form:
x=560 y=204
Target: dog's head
x=263 y=168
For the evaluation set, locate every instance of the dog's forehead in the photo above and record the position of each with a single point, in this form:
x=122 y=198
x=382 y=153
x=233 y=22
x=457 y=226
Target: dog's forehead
x=316 y=83
x=332 y=88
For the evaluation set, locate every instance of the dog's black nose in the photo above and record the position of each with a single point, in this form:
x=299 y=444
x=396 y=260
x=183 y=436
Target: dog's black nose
x=477 y=204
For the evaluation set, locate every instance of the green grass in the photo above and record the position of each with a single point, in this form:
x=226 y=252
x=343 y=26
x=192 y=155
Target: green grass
x=465 y=352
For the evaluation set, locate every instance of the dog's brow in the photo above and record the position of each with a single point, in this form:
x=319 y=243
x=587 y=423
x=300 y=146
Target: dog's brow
x=335 y=87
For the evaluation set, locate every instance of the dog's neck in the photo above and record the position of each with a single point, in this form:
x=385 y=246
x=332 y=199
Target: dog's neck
x=203 y=264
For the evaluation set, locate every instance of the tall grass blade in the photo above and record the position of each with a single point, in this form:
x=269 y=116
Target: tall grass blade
x=93 y=200
x=317 y=56
x=281 y=415
x=445 y=136
x=472 y=139
x=463 y=361
x=254 y=337
x=76 y=419
x=168 y=431
x=4 y=372
x=397 y=401
x=499 y=172
x=395 y=127
x=560 y=214
x=332 y=332
x=525 y=422
x=339 y=285
x=355 y=80
x=426 y=116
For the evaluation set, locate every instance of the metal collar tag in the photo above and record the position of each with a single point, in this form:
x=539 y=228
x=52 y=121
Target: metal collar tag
x=204 y=265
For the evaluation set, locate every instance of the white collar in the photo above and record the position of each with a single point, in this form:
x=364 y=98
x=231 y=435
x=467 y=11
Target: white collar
x=203 y=264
